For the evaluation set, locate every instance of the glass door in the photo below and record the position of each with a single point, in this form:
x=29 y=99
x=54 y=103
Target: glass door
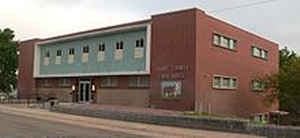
x=84 y=95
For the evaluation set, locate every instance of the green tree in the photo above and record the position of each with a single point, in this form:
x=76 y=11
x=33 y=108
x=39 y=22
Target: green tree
x=8 y=61
x=284 y=86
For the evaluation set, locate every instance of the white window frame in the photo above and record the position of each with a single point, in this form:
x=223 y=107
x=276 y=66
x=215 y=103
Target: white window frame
x=85 y=55
x=231 y=87
x=224 y=41
x=139 y=48
x=71 y=55
x=46 y=60
x=119 y=50
x=101 y=52
x=58 y=57
x=262 y=53
x=258 y=89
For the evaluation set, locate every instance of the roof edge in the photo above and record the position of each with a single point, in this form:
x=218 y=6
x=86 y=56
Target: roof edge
x=98 y=29
x=179 y=11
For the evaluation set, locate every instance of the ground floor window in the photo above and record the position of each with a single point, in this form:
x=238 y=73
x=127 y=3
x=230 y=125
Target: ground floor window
x=44 y=83
x=65 y=82
x=109 y=82
x=139 y=82
x=171 y=89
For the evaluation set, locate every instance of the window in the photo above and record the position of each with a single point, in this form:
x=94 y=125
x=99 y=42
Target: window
x=109 y=82
x=258 y=85
x=139 y=82
x=86 y=49
x=120 y=45
x=258 y=52
x=58 y=57
x=44 y=83
x=46 y=58
x=222 y=82
x=65 y=82
x=139 y=49
x=58 y=53
x=171 y=89
x=47 y=54
x=71 y=55
x=101 y=52
x=101 y=47
x=223 y=41
x=85 y=55
x=140 y=43
x=71 y=51
x=119 y=50
x=217 y=39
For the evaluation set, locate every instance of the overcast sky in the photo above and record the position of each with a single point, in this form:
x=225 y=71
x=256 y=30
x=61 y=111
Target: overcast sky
x=278 y=20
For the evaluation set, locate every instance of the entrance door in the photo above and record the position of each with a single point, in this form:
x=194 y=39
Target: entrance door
x=84 y=93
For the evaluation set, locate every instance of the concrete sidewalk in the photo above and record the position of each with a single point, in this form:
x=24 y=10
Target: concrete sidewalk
x=119 y=126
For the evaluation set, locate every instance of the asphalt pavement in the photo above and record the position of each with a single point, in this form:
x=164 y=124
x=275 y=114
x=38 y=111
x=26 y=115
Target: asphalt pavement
x=20 y=126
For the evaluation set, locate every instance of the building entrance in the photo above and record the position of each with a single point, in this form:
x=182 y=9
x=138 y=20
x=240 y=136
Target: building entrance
x=84 y=93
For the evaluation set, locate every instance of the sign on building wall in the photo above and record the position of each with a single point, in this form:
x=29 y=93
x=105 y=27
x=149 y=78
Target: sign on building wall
x=171 y=88
x=171 y=79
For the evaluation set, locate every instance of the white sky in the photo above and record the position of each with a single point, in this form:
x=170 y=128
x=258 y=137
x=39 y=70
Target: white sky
x=278 y=20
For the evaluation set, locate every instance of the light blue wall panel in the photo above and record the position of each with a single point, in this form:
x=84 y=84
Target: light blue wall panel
x=127 y=64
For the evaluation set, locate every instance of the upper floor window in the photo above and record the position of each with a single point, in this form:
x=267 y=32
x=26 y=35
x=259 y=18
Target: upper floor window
x=59 y=53
x=47 y=54
x=58 y=57
x=139 y=48
x=139 y=82
x=258 y=85
x=101 y=53
x=120 y=45
x=71 y=55
x=109 y=82
x=71 y=51
x=139 y=43
x=85 y=55
x=46 y=58
x=258 y=52
x=223 y=82
x=101 y=47
x=86 y=49
x=119 y=50
x=223 y=41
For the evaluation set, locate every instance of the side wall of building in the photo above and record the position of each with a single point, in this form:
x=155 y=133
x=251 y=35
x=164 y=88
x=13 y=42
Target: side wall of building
x=173 y=60
x=212 y=60
x=26 y=82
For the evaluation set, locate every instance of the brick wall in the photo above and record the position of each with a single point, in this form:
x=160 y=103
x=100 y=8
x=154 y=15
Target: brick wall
x=213 y=60
x=26 y=82
x=173 y=44
x=62 y=94
x=124 y=97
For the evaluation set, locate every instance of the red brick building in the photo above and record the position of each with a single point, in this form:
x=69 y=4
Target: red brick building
x=183 y=60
